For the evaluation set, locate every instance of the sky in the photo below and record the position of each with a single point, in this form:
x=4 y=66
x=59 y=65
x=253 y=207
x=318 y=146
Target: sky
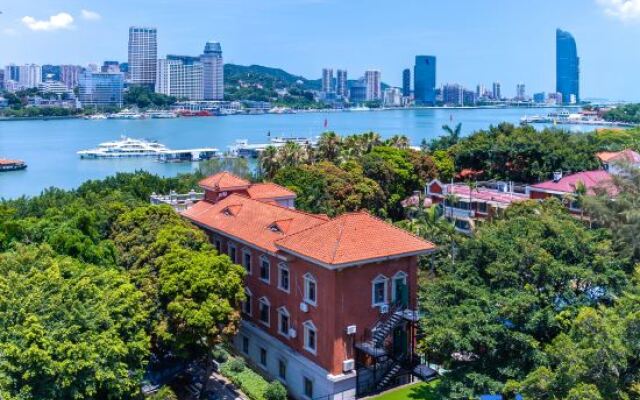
x=475 y=41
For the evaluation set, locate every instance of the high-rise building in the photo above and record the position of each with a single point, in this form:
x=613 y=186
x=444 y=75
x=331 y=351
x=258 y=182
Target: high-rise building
x=521 y=93
x=212 y=71
x=181 y=77
x=567 y=67
x=143 y=55
x=1 y=79
x=392 y=97
x=453 y=94
x=424 y=80
x=12 y=73
x=110 y=66
x=100 y=89
x=496 y=92
x=358 y=92
x=406 y=82
x=480 y=91
x=30 y=76
x=374 y=85
x=539 y=97
x=342 y=85
x=327 y=80
x=69 y=75
x=51 y=72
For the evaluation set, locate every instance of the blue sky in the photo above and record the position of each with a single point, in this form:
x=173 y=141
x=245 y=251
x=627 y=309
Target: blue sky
x=475 y=41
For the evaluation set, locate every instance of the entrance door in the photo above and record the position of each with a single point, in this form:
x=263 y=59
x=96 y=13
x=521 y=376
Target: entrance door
x=401 y=292
x=399 y=341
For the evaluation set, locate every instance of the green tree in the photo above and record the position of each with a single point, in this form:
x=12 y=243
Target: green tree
x=269 y=162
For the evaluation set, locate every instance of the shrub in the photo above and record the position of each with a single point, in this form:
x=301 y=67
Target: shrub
x=219 y=354
x=247 y=380
x=237 y=365
x=275 y=391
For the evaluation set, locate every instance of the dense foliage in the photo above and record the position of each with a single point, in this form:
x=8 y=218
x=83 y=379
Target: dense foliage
x=144 y=97
x=624 y=113
x=92 y=281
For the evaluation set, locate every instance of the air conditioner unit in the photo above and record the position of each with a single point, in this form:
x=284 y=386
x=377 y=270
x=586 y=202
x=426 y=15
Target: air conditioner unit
x=348 y=365
x=384 y=308
x=351 y=330
x=292 y=333
x=304 y=307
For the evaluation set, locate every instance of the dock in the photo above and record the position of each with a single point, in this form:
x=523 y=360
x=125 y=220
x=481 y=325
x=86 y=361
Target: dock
x=11 y=165
x=201 y=154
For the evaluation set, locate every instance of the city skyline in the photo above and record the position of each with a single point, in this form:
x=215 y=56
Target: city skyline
x=513 y=50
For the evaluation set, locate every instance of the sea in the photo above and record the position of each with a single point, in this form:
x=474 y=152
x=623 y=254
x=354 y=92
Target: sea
x=49 y=147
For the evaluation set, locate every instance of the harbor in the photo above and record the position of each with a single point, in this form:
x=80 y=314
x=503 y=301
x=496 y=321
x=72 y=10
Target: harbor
x=582 y=118
x=128 y=147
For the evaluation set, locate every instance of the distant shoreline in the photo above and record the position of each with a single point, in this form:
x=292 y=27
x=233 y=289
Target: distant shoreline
x=327 y=110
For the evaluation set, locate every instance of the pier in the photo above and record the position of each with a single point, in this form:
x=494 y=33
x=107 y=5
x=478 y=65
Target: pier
x=201 y=154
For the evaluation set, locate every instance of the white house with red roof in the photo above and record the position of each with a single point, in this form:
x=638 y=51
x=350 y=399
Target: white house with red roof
x=331 y=302
x=611 y=161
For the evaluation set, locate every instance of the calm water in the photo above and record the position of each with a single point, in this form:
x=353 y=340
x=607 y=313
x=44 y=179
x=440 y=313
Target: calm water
x=49 y=147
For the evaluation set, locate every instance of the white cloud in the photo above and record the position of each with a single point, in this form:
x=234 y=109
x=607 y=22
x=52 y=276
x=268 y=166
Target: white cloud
x=59 y=21
x=90 y=15
x=624 y=10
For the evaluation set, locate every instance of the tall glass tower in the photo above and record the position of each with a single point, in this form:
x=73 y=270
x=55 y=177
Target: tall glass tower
x=406 y=82
x=424 y=80
x=567 y=67
x=213 y=71
x=143 y=55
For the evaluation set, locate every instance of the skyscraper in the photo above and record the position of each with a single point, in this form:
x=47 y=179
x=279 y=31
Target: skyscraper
x=212 y=71
x=327 y=80
x=521 y=93
x=406 y=82
x=12 y=73
x=100 y=89
x=69 y=75
x=181 y=77
x=143 y=55
x=30 y=75
x=342 y=85
x=567 y=67
x=373 y=83
x=424 y=80
x=496 y=92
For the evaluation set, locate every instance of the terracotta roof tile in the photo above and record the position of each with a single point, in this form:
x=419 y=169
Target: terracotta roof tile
x=223 y=181
x=269 y=191
x=353 y=238
x=627 y=155
x=591 y=180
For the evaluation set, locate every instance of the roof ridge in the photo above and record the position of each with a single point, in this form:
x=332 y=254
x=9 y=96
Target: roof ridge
x=396 y=228
x=337 y=243
x=294 y=210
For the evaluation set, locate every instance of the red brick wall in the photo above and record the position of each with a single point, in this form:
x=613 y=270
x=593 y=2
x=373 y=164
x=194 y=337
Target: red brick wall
x=538 y=195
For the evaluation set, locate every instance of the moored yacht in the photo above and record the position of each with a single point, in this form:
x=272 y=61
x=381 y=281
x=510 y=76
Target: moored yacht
x=125 y=147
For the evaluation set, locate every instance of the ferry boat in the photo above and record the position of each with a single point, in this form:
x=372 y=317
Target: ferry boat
x=125 y=147
x=161 y=114
x=11 y=165
x=242 y=147
x=126 y=114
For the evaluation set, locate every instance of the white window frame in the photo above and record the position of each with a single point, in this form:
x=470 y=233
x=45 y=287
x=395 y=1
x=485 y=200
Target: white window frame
x=265 y=301
x=282 y=311
x=283 y=361
x=264 y=258
x=304 y=388
x=249 y=269
x=248 y=300
x=398 y=275
x=309 y=325
x=283 y=266
x=379 y=279
x=310 y=278
x=231 y=245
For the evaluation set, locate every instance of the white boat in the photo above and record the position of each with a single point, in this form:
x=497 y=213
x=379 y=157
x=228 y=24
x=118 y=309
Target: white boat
x=125 y=147
x=126 y=114
x=242 y=147
x=97 y=117
x=162 y=114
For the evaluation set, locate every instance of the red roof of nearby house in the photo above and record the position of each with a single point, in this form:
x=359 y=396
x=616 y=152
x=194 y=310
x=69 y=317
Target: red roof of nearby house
x=250 y=220
x=223 y=181
x=591 y=180
x=350 y=238
x=485 y=194
x=269 y=191
x=627 y=155
x=353 y=238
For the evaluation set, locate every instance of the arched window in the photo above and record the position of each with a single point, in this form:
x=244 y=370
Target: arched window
x=310 y=337
x=265 y=311
x=310 y=289
x=399 y=284
x=284 y=322
x=379 y=290
x=246 y=260
x=283 y=277
x=247 y=305
x=265 y=267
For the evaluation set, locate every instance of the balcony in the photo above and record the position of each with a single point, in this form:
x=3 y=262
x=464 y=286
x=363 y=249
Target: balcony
x=458 y=212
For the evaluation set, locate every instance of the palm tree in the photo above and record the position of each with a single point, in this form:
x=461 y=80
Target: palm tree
x=292 y=154
x=472 y=185
x=329 y=146
x=454 y=134
x=398 y=141
x=269 y=162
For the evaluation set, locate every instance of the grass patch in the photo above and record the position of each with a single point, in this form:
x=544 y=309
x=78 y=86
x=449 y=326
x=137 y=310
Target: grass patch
x=418 y=391
x=251 y=383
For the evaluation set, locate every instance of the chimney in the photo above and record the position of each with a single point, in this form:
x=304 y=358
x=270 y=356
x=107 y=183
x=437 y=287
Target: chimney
x=557 y=176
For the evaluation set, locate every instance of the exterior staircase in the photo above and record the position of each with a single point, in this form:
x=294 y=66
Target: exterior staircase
x=385 y=327
x=388 y=376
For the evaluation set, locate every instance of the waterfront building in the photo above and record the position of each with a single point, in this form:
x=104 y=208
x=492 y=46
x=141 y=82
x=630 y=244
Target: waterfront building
x=100 y=89
x=110 y=66
x=30 y=76
x=331 y=304
x=374 y=85
x=392 y=97
x=342 y=83
x=181 y=77
x=469 y=97
x=69 y=75
x=212 y=72
x=327 y=80
x=12 y=73
x=424 y=80
x=453 y=94
x=358 y=92
x=521 y=93
x=56 y=87
x=406 y=82
x=496 y=92
x=484 y=202
x=539 y=97
x=143 y=55
x=567 y=67
x=1 y=79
